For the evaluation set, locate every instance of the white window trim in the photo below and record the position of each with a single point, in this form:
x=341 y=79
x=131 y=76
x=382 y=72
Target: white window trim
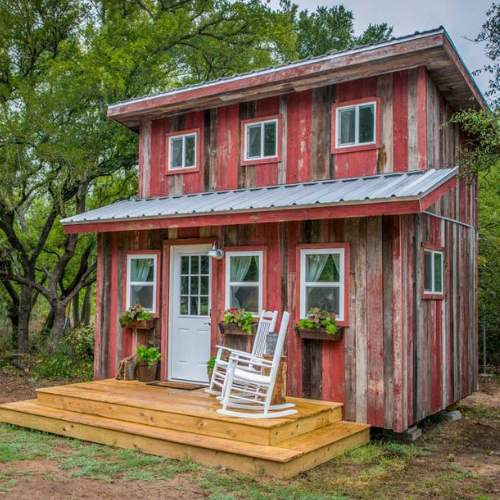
x=170 y=150
x=304 y=284
x=433 y=290
x=262 y=123
x=260 y=284
x=153 y=283
x=356 y=125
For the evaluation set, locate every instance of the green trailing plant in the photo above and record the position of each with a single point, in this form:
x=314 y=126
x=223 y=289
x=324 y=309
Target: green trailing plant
x=239 y=317
x=319 y=319
x=150 y=354
x=134 y=313
x=211 y=363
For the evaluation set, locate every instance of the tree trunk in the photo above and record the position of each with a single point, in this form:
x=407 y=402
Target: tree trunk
x=59 y=309
x=49 y=322
x=76 y=310
x=85 y=319
x=25 y=306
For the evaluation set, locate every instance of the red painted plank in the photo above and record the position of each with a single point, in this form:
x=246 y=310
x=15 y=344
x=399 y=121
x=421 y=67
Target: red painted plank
x=193 y=182
x=228 y=139
x=410 y=297
x=400 y=121
x=113 y=300
x=157 y=168
x=422 y=117
x=97 y=326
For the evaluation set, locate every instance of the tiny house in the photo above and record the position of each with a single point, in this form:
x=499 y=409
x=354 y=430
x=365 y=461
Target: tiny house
x=331 y=183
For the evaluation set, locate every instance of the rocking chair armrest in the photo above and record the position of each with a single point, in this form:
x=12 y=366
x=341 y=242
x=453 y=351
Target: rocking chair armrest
x=231 y=350
x=249 y=359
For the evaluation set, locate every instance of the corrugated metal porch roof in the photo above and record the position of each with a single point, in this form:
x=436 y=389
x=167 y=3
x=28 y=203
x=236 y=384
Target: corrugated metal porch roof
x=403 y=186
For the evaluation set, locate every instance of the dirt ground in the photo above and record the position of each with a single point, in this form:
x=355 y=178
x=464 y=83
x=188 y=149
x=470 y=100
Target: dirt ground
x=457 y=460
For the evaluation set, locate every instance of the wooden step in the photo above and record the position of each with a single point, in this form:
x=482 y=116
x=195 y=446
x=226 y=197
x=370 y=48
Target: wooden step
x=185 y=411
x=283 y=461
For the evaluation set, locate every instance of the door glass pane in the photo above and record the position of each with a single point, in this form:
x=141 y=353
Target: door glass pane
x=254 y=141
x=142 y=270
x=176 y=152
x=194 y=307
x=323 y=267
x=195 y=264
x=428 y=271
x=367 y=123
x=326 y=298
x=184 y=304
x=184 y=264
x=204 y=306
x=244 y=269
x=204 y=265
x=184 y=284
x=347 y=126
x=142 y=294
x=438 y=278
x=190 y=143
x=270 y=139
x=246 y=297
x=195 y=282
x=204 y=285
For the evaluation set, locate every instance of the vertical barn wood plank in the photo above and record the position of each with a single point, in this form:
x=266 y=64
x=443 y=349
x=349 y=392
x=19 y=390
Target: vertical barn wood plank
x=120 y=280
x=228 y=141
x=351 y=234
x=105 y=316
x=246 y=173
x=387 y=264
x=418 y=317
x=283 y=109
x=385 y=153
x=206 y=158
x=156 y=165
x=411 y=297
x=175 y=181
x=193 y=183
x=405 y=235
x=213 y=151
x=361 y=323
x=400 y=121
x=145 y=159
x=299 y=138
x=99 y=306
x=375 y=322
x=413 y=118
x=322 y=100
x=422 y=117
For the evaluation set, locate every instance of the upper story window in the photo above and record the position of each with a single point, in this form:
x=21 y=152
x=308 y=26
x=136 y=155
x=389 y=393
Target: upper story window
x=323 y=281
x=142 y=281
x=244 y=280
x=433 y=273
x=355 y=125
x=260 y=139
x=183 y=151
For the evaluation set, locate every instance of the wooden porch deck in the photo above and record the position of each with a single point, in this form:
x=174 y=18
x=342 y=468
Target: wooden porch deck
x=185 y=425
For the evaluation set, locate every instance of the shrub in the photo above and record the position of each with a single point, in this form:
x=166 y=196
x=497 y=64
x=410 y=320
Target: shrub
x=150 y=354
x=72 y=358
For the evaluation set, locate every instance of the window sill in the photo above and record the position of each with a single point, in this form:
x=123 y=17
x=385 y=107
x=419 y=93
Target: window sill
x=183 y=171
x=354 y=149
x=432 y=296
x=260 y=161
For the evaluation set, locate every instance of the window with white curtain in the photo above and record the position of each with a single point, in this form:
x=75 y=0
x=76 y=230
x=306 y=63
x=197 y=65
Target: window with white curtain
x=141 y=281
x=322 y=281
x=244 y=281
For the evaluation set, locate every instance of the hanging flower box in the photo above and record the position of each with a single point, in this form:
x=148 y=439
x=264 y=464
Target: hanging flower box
x=232 y=329
x=319 y=334
x=144 y=324
x=137 y=318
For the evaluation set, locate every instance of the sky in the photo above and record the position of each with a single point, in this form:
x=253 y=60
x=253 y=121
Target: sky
x=461 y=18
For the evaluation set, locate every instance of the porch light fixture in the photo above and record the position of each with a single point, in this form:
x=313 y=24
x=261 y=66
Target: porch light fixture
x=216 y=253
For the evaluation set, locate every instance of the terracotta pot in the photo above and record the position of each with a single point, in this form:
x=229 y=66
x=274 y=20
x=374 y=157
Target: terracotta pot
x=144 y=372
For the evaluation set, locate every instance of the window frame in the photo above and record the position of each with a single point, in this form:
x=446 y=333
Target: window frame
x=244 y=252
x=143 y=254
x=324 y=248
x=337 y=148
x=433 y=294
x=198 y=146
x=262 y=159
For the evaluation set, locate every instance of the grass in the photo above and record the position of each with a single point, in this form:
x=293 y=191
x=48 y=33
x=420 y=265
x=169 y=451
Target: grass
x=383 y=469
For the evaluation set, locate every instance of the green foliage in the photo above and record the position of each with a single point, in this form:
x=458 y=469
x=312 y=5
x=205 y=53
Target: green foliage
x=319 y=319
x=240 y=317
x=211 y=363
x=150 y=354
x=72 y=358
x=134 y=313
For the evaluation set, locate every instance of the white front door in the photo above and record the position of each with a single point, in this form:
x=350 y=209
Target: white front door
x=189 y=339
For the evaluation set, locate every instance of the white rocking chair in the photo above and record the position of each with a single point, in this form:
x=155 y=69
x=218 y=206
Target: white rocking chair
x=251 y=391
x=267 y=324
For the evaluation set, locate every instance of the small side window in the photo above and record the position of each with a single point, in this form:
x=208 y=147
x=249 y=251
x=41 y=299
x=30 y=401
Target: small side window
x=433 y=272
x=260 y=140
x=182 y=151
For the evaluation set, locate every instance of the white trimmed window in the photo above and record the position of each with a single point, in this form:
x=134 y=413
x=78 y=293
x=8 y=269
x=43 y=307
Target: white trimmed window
x=322 y=281
x=261 y=140
x=141 y=281
x=182 y=151
x=433 y=272
x=356 y=125
x=244 y=280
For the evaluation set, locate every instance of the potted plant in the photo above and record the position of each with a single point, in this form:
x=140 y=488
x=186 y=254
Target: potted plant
x=137 y=317
x=210 y=367
x=318 y=325
x=147 y=362
x=237 y=322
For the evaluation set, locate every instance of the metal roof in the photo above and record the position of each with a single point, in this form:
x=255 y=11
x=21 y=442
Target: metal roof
x=400 y=186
